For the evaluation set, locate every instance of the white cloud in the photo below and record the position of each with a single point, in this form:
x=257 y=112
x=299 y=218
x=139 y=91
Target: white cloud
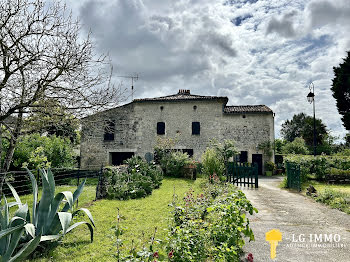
x=255 y=52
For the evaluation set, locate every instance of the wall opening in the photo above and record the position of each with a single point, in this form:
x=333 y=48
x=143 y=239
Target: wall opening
x=196 y=128
x=117 y=158
x=160 y=128
x=109 y=131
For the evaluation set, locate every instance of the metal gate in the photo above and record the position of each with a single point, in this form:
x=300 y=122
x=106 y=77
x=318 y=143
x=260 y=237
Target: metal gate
x=293 y=176
x=243 y=174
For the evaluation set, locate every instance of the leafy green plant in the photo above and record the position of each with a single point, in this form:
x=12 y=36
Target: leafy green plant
x=57 y=150
x=334 y=199
x=210 y=227
x=45 y=223
x=298 y=146
x=138 y=180
x=270 y=166
x=211 y=163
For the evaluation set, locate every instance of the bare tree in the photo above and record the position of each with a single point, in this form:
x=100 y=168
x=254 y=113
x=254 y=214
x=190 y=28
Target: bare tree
x=43 y=56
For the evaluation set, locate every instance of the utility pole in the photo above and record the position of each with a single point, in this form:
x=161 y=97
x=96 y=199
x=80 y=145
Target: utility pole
x=133 y=78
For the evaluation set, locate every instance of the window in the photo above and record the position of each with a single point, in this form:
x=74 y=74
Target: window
x=160 y=128
x=196 y=128
x=109 y=131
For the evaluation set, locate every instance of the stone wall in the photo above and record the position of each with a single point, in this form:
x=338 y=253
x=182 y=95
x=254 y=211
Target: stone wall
x=136 y=129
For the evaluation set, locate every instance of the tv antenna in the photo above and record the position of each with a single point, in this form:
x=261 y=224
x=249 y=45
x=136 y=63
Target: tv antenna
x=133 y=78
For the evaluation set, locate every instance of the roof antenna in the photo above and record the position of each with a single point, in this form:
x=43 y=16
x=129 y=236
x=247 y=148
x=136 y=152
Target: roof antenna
x=133 y=78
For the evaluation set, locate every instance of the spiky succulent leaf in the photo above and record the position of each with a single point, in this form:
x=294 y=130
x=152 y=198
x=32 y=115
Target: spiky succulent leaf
x=45 y=202
x=65 y=219
x=49 y=238
x=30 y=229
x=18 y=220
x=26 y=250
x=82 y=223
x=55 y=206
x=76 y=195
x=10 y=230
x=14 y=193
x=87 y=212
x=35 y=197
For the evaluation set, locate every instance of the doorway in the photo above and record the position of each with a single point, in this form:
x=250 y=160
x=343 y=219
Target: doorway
x=257 y=158
x=117 y=158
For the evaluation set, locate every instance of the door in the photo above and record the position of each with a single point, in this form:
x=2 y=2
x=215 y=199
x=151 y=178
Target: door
x=117 y=158
x=257 y=158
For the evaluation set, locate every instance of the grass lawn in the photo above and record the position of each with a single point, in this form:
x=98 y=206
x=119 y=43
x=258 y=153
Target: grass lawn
x=141 y=217
x=341 y=188
x=335 y=196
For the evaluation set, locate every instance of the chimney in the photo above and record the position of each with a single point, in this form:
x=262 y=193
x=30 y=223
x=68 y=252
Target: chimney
x=184 y=92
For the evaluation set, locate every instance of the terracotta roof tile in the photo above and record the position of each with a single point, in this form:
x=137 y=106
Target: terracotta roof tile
x=247 y=109
x=182 y=95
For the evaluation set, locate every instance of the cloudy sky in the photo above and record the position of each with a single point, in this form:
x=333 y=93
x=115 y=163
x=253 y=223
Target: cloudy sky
x=253 y=51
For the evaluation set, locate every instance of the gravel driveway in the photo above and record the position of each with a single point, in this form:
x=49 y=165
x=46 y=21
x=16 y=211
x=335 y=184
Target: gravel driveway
x=311 y=232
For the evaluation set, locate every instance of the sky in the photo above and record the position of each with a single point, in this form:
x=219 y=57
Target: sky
x=252 y=51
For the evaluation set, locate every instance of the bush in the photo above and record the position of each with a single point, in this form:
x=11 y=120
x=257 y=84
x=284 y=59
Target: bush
x=136 y=181
x=211 y=163
x=270 y=166
x=37 y=151
x=319 y=166
x=298 y=146
x=174 y=163
x=202 y=228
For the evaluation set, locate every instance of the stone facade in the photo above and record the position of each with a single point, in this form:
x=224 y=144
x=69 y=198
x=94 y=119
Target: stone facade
x=135 y=127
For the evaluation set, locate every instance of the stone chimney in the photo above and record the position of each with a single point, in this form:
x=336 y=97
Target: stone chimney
x=184 y=92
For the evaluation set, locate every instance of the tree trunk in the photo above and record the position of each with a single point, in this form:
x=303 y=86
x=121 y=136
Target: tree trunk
x=13 y=142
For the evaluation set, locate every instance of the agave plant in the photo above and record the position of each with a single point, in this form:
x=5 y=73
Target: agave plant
x=25 y=231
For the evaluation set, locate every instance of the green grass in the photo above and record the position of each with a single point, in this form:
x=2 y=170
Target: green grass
x=341 y=188
x=141 y=217
x=335 y=196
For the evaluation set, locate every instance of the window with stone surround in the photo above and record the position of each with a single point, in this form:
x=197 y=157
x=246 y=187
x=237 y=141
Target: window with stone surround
x=196 y=128
x=109 y=131
x=160 y=128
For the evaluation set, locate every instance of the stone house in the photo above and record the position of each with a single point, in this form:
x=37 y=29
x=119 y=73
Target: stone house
x=111 y=136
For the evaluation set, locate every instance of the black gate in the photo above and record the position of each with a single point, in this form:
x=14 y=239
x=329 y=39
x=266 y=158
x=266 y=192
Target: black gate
x=293 y=176
x=243 y=174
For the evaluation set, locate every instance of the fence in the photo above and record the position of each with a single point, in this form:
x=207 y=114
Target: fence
x=21 y=182
x=293 y=176
x=243 y=174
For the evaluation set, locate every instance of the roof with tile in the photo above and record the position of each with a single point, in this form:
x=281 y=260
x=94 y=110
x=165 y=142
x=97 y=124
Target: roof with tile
x=247 y=109
x=181 y=96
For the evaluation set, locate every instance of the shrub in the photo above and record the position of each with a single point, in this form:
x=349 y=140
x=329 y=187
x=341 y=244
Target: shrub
x=319 y=166
x=136 y=181
x=210 y=226
x=270 y=166
x=298 y=146
x=49 y=149
x=211 y=163
x=173 y=163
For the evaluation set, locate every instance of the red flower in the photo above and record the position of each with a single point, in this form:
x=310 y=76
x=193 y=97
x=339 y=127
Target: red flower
x=156 y=255
x=250 y=257
x=171 y=254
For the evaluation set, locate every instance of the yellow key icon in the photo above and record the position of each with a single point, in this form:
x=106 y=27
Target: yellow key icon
x=273 y=237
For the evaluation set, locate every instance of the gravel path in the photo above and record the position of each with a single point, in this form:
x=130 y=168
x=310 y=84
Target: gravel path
x=298 y=218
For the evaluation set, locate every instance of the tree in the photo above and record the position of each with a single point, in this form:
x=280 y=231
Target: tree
x=341 y=90
x=301 y=125
x=44 y=56
x=296 y=147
